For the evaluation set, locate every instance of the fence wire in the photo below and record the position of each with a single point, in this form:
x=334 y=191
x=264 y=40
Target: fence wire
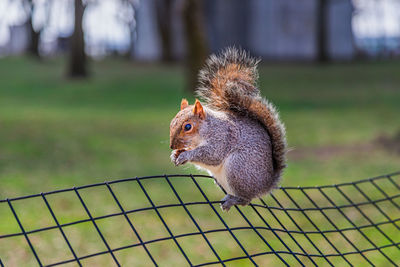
x=176 y=219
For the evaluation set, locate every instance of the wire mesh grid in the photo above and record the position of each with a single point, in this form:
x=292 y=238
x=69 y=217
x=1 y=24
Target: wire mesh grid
x=176 y=219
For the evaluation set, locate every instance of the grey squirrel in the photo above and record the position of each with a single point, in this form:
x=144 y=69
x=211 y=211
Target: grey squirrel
x=236 y=135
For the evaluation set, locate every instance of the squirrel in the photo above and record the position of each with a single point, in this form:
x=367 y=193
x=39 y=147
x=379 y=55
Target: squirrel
x=236 y=134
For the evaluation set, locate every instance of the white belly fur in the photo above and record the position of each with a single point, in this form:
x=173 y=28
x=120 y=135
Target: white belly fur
x=219 y=174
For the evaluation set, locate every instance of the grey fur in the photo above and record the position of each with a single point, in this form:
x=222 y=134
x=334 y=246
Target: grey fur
x=243 y=146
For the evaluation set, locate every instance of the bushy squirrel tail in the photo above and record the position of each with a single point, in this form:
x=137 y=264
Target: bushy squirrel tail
x=228 y=82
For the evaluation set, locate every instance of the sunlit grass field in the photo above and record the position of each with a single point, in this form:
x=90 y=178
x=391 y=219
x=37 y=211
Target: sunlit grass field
x=56 y=133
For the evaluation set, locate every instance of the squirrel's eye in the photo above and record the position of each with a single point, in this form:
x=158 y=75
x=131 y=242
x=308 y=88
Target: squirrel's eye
x=188 y=127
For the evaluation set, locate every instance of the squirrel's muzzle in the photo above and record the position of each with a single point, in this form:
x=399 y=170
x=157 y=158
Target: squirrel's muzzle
x=172 y=143
x=176 y=143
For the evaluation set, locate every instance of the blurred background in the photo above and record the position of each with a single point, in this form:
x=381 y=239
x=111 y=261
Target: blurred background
x=88 y=88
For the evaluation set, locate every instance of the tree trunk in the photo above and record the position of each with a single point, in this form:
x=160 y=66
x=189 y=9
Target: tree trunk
x=77 y=60
x=132 y=34
x=34 y=42
x=322 y=21
x=132 y=23
x=33 y=48
x=195 y=40
x=164 y=19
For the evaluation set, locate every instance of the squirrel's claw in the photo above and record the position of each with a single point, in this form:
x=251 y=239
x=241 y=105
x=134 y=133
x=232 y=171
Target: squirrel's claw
x=179 y=157
x=174 y=155
x=226 y=206
x=228 y=201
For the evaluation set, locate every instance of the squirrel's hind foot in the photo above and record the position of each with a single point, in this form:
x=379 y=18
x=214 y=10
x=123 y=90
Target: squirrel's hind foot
x=229 y=200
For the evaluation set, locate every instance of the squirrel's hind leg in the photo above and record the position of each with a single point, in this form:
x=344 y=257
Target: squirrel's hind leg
x=229 y=200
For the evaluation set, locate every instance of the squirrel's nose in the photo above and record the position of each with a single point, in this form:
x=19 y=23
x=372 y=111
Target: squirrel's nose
x=172 y=144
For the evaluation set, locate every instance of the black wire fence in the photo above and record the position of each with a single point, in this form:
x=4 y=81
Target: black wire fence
x=176 y=219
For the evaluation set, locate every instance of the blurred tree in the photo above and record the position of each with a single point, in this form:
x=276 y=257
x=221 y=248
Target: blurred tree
x=127 y=15
x=77 y=60
x=34 y=35
x=322 y=27
x=196 y=45
x=132 y=27
x=164 y=9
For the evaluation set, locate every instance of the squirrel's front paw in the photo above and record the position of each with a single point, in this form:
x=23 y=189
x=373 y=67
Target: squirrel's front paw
x=174 y=155
x=182 y=158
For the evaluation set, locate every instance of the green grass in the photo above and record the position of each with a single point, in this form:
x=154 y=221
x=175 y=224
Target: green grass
x=56 y=133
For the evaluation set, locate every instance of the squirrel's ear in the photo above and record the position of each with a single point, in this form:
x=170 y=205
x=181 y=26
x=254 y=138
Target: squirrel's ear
x=198 y=110
x=184 y=103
